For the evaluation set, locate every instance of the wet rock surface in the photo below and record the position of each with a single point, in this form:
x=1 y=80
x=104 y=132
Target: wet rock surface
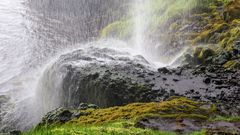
x=120 y=79
x=62 y=115
x=190 y=125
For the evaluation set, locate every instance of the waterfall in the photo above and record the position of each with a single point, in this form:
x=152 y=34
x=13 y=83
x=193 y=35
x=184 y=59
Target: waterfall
x=140 y=14
x=33 y=34
x=42 y=31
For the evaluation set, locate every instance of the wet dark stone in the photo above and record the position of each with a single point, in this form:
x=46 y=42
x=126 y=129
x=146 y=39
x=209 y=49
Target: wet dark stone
x=212 y=75
x=186 y=126
x=147 y=80
x=141 y=75
x=175 y=80
x=178 y=71
x=172 y=93
x=207 y=80
x=84 y=106
x=15 y=132
x=119 y=84
x=151 y=74
x=164 y=70
x=218 y=82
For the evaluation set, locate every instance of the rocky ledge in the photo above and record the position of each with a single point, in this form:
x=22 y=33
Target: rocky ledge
x=120 y=80
x=183 y=100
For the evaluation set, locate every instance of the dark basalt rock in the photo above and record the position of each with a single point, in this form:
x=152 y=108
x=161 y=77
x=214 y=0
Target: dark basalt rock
x=122 y=81
x=207 y=80
x=184 y=126
x=15 y=132
x=62 y=115
x=164 y=70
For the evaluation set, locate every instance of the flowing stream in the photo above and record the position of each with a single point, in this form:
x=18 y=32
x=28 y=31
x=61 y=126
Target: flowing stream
x=34 y=33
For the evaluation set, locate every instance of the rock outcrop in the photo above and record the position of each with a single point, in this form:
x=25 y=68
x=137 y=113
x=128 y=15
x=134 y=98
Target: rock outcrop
x=120 y=80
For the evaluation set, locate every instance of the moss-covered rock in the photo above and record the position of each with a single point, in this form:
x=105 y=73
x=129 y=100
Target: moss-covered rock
x=232 y=65
x=176 y=115
x=211 y=35
x=201 y=55
x=177 y=107
x=232 y=10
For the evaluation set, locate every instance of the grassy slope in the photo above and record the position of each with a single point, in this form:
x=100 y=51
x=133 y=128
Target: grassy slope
x=121 y=120
x=113 y=128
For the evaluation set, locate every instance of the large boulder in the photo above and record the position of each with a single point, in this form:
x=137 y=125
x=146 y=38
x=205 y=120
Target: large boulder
x=107 y=77
x=62 y=115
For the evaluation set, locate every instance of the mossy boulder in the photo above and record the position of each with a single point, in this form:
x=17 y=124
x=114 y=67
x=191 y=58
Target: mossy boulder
x=63 y=115
x=201 y=55
x=211 y=34
x=205 y=55
x=174 y=108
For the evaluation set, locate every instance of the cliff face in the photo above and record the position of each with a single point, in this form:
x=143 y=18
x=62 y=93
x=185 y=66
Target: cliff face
x=222 y=29
x=200 y=25
x=81 y=20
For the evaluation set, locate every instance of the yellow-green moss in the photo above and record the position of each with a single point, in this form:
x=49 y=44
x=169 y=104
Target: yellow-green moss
x=224 y=118
x=232 y=10
x=119 y=29
x=175 y=108
x=208 y=35
x=112 y=128
x=231 y=65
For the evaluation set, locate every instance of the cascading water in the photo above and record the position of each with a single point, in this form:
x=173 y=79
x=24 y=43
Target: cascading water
x=144 y=17
x=34 y=34
x=140 y=24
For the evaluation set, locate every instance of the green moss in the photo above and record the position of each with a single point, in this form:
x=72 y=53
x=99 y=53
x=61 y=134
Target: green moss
x=175 y=108
x=232 y=65
x=121 y=120
x=232 y=10
x=119 y=29
x=159 y=13
x=227 y=119
x=205 y=54
x=209 y=35
x=203 y=132
x=113 y=128
x=202 y=37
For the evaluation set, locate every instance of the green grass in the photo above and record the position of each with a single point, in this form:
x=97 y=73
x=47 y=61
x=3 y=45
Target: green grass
x=227 y=119
x=115 y=128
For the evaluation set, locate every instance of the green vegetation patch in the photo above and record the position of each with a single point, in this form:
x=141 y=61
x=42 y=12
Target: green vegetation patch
x=232 y=65
x=121 y=120
x=175 y=108
x=113 y=128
